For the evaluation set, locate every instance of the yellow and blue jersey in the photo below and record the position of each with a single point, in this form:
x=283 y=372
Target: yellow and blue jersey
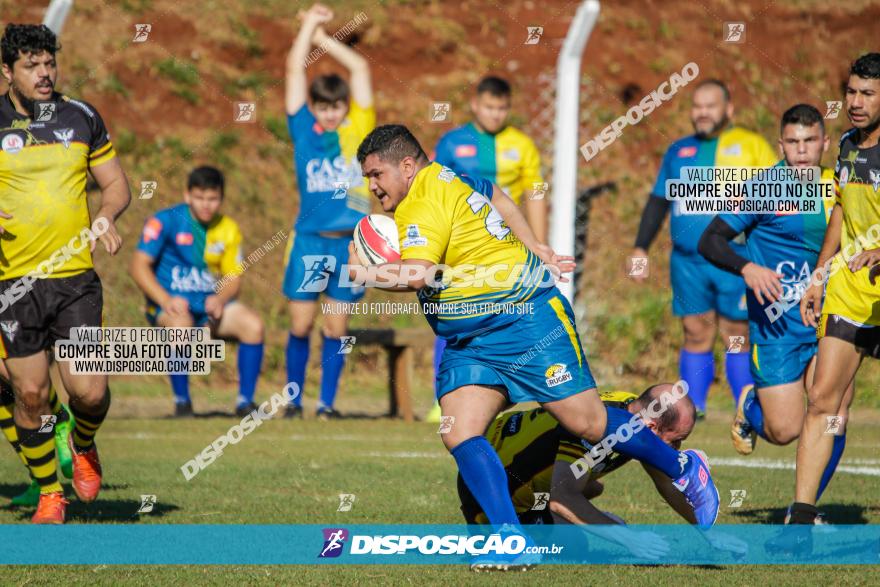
x=333 y=193
x=734 y=147
x=857 y=188
x=449 y=220
x=508 y=158
x=189 y=258
x=789 y=244
x=43 y=171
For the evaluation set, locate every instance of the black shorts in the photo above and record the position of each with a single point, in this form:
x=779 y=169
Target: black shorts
x=473 y=513
x=32 y=322
x=865 y=338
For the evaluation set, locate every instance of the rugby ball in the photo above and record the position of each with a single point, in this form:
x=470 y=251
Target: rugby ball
x=375 y=240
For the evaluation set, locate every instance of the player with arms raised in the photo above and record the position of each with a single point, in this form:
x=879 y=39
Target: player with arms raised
x=469 y=222
x=327 y=120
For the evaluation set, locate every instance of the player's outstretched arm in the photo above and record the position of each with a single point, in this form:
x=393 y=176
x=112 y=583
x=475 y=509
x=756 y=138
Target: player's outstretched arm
x=536 y=214
x=357 y=65
x=567 y=502
x=811 y=301
x=295 y=86
x=668 y=492
x=115 y=197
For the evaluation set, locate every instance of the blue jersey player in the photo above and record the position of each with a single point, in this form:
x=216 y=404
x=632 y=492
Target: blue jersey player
x=188 y=264
x=511 y=338
x=782 y=253
x=327 y=119
x=705 y=297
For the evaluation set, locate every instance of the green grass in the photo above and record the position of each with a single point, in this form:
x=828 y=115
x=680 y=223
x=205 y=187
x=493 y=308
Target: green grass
x=291 y=472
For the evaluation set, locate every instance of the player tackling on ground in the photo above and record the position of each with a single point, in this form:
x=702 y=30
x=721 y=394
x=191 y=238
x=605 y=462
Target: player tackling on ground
x=44 y=166
x=782 y=251
x=848 y=322
x=492 y=359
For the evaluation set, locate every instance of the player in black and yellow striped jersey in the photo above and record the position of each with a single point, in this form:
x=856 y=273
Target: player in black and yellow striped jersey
x=848 y=320
x=49 y=143
x=539 y=456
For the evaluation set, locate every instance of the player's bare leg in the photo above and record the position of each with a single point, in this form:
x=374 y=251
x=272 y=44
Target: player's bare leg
x=241 y=323
x=838 y=362
x=583 y=414
x=302 y=317
x=89 y=402
x=699 y=332
x=473 y=407
x=783 y=407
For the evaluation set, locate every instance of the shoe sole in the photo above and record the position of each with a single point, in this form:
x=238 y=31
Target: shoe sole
x=742 y=445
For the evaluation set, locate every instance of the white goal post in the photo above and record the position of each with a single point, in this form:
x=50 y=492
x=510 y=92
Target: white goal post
x=56 y=14
x=566 y=152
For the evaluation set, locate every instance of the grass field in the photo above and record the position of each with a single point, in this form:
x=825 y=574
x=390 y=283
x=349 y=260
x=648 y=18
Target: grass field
x=291 y=472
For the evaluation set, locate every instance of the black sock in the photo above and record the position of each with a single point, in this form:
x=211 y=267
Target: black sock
x=802 y=513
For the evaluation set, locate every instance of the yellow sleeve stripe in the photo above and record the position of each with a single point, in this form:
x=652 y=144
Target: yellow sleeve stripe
x=102 y=159
x=100 y=150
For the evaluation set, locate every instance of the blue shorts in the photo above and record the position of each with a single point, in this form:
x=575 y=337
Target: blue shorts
x=153 y=311
x=537 y=357
x=698 y=287
x=314 y=265
x=778 y=364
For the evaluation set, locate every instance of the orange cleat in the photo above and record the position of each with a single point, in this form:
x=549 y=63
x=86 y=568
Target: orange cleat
x=86 y=472
x=51 y=508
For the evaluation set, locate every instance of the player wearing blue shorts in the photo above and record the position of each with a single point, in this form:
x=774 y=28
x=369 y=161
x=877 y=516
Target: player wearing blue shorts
x=188 y=264
x=705 y=297
x=783 y=249
x=327 y=121
x=510 y=332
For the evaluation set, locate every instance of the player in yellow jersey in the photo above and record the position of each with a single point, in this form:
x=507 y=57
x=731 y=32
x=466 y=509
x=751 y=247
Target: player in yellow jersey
x=848 y=321
x=49 y=143
x=511 y=334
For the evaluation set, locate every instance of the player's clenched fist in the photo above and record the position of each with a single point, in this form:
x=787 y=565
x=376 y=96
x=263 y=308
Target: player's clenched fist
x=109 y=237
x=811 y=304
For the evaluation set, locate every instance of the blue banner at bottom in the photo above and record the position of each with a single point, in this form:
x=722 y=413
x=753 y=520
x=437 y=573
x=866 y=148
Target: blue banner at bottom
x=162 y=544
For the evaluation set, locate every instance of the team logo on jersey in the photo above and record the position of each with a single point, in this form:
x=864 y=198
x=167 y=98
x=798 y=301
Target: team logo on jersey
x=512 y=154
x=874 y=174
x=446 y=175
x=843 y=178
x=12 y=143
x=183 y=238
x=687 y=152
x=413 y=237
x=466 y=151
x=733 y=150
x=216 y=248
x=65 y=135
x=10 y=327
x=334 y=539
x=318 y=270
x=556 y=374
x=152 y=229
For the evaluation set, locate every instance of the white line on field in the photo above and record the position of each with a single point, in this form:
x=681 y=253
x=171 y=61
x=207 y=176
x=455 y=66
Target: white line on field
x=789 y=465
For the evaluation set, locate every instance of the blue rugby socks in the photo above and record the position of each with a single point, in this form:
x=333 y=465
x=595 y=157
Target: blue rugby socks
x=297 y=357
x=485 y=476
x=332 y=362
x=753 y=412
x=736 y=365
x=180 y=387
x=836 y=454
x=644 y=445
x=698 y=370
x=250 y=359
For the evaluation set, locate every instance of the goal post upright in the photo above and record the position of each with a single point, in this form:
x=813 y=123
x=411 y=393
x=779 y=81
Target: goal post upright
x=565 y=138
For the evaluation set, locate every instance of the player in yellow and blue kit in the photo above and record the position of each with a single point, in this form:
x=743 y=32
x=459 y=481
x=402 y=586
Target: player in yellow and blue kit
x=782 y=254
x=703 y=295
x=488 y=147
x=511 y=334
x=327 y=120
x=188 y=264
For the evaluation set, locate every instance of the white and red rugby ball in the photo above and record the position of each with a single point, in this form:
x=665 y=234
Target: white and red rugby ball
x=375 y=240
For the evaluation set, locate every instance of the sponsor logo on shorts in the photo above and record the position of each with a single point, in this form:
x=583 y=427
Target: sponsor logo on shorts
x=557 y=374
x=10 y=327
